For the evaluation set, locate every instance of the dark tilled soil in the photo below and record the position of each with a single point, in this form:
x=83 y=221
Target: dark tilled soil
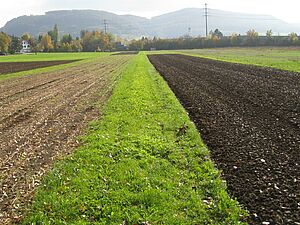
x=41 y=117
x=250 y=119
x=127 y=53
x=13 y=67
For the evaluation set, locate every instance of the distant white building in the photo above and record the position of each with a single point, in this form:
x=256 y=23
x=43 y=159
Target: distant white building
x=25 y=47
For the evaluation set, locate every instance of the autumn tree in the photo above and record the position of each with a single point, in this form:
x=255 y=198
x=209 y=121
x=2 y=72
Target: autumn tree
x=214 y=37
x=293 y=37
x=66 y=47
x=234 y=39
x=136 y=45
x=46 y=43
x=83 y=33
x=15 y=45
x=25 y=37
x=54 y=34
x=252 y=37
x=67 y=38
x=87 y=39
x=70 y=45
x=5 y=41
x=76 y=45
x=217 y=33
x=269 y=35
x=33 y=44
x=96 y=41
x=109 y=41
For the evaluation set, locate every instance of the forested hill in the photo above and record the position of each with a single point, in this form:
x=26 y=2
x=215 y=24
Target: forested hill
x=169 y=25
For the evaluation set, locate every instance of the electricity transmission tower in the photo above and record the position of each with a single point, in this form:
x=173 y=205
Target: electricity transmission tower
x=105 y=26
x=189 y=31
x=206 y=19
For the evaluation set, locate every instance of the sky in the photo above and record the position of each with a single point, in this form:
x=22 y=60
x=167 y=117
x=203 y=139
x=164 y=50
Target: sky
x=287 y=10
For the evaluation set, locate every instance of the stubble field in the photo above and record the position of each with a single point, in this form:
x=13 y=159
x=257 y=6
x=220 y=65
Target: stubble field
x=41 y=117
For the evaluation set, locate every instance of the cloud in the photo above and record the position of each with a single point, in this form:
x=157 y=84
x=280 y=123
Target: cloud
x=126 y=6
x=14 y=8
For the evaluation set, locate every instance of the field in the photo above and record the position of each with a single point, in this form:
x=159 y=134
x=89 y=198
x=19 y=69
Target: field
x=109 y=140
x=144 y=161
x=41 y=117
x=13 y=67
x=249 y=118
x=49 y=57
x=286 y=58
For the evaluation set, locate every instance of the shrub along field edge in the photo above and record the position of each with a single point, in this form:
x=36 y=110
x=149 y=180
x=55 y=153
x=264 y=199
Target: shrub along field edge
x=142 y=163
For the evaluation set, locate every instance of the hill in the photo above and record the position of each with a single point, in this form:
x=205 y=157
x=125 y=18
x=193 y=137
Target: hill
x=168 y=25
x=177 y=23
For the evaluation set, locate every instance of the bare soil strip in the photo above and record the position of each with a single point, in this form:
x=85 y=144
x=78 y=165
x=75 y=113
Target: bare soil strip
x=41 y=117
x=127 y=53
x=250 y=119
x=13 y=67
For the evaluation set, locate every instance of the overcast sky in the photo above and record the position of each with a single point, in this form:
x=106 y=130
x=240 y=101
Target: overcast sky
x=287 y=10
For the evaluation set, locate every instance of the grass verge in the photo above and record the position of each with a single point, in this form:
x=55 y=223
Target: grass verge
x=144 y=161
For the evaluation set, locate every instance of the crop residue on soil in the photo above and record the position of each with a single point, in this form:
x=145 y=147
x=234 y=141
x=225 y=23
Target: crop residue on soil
x=41 y=117
x=250 y=119
x=13 y=67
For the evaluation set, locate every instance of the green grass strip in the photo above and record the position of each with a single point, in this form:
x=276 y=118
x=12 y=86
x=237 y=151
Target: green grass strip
x=144 y=161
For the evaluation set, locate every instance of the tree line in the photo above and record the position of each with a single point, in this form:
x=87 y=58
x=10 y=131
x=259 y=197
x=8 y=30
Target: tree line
x=215 y=39
x=89 y=41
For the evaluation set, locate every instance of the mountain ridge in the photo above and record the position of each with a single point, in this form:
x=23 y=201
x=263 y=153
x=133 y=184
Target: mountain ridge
x=168 y=25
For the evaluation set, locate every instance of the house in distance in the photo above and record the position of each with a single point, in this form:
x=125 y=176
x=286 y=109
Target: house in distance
x=25 y=47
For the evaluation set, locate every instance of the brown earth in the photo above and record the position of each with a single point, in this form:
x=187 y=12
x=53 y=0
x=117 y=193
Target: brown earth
x=13 y=67
x=250 y=119
x=127 y=53
x=41 y=117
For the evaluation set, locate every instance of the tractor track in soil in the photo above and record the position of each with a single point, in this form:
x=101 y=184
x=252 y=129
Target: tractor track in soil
x=41 y=117
x=249 y=117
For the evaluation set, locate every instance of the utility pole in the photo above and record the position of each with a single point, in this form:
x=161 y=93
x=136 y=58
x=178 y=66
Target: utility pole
x=105 y=26
x=206 y=19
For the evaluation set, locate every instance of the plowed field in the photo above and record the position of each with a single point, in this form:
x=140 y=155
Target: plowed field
x=250 y=119
x=13 y=67
x=41 y=117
